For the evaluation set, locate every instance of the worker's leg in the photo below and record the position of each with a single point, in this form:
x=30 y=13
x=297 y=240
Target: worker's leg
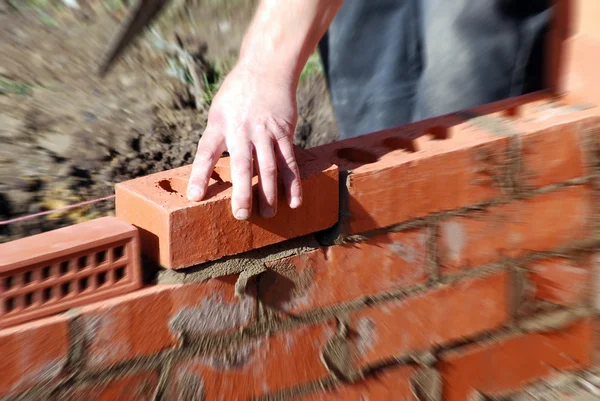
x=478 y=51
x=373 y=59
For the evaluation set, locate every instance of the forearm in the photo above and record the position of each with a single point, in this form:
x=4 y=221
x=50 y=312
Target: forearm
x=283 y=34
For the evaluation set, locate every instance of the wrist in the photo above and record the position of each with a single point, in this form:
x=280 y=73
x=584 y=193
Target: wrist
x=270 y=69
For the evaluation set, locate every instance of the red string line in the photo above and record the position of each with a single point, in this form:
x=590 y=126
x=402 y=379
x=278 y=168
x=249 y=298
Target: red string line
x=60 y=209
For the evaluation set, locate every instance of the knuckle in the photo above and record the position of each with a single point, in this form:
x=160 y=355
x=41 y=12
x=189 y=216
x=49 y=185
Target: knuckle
x=282 y=130
x=205 y=155
x=240 y=163
x=291 y=165
x=243 y=201
x=268 y=170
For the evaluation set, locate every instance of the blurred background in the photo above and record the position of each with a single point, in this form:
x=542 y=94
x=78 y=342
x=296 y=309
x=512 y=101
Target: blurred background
x=67 y=135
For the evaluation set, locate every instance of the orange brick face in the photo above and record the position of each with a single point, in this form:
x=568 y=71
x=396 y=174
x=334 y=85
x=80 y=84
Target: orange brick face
x=503 y=366
x=552 y=155
x=177 y=233
x=33 y=352
x=543 y=222
x=55 y=271
x=561 y=281
x=442 y=175
x=151 y=320
x=392 y=384
x=344 y=272
x=267 y=365
x=435 y=317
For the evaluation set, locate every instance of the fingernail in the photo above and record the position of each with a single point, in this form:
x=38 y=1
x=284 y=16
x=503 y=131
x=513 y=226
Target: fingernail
x=296 y=201
x=194 y=193
x=267 y=212
x=242 y=214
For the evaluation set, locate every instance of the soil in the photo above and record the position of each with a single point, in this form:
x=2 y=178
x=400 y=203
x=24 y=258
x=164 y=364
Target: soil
x=67 y=135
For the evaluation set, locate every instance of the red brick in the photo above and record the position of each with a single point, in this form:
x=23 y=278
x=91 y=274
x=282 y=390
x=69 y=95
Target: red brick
x=136 y=387
x=33 y=352
x=391 y=384
x=580 y=80
x=150 y=320
x=506 y=365
x=561 y=281
x=273 y=363
x=541 y=223
x=586 y=13
x=178 y=233
x=344 y=272
x=552 y=155
x=435 y=317
x=54 y=271
x=396 y=177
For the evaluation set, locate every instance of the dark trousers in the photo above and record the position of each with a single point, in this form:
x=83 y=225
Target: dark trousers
x=391 y=62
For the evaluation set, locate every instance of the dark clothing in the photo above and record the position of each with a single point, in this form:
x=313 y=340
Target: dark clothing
x=390 y=62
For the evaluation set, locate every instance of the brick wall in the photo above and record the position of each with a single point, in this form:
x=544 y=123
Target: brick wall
x=457 y=261
x=452 y=259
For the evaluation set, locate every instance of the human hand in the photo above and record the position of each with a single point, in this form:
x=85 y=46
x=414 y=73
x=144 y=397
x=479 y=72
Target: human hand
x=253 y=118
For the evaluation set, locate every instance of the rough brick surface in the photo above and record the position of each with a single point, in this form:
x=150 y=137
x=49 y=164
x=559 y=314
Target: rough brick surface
x=435 y=317
x=498 y=367
x=551 y=156
x=392 y=384
x=257 y=367
x=54 y=271
x=32 y=353
x=391 y=170
x=561 y=281
x=540 y=223
x=178 y=233
x=153 y=319
x=341 y=273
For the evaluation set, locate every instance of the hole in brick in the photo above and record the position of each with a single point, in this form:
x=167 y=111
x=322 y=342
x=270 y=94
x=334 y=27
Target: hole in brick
x=166 y=185
x=100 y=257
x=47 y=294
x=119 y=252
x=400 y=143
x=84 y=283
x=27 y=278
x=82 y=262
x=354 y=155
x=64 y=267
x=10 y=305
x=119 y=273
x=439 y=133
x=9 y=282
x=46 y=272
x=65 y=289
x=29 y=299
x=101 y=279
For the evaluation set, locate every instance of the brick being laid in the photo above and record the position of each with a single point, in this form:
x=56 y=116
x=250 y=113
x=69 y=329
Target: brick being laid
x=459 y=160
x=57 y=270
x=177 y=233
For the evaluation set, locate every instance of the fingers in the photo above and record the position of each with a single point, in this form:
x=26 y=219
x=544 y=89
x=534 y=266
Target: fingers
x=210 y=148
x=267 y=171
x=290 y=174
x=241 y=177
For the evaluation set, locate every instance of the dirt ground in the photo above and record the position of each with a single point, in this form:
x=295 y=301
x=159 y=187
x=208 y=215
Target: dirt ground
x=68 y=136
